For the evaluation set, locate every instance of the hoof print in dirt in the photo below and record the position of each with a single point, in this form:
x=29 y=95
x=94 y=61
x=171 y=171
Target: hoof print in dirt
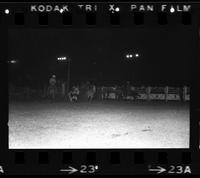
x=146 y=130
x=116 y=135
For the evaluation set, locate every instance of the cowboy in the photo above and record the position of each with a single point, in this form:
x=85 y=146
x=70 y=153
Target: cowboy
x=52 y=86
x=91 y=92
x=52 y=80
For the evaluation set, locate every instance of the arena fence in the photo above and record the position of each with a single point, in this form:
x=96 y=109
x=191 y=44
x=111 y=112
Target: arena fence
x=143 y=93
x=157 y=93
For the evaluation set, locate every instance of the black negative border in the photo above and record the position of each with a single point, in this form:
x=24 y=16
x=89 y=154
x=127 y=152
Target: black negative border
x=123 y=162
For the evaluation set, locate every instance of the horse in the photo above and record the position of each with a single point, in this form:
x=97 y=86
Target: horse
x=52 y=91
x=73 y=94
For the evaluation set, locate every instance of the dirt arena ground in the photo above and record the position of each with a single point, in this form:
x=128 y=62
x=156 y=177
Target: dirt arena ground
x=102 y=124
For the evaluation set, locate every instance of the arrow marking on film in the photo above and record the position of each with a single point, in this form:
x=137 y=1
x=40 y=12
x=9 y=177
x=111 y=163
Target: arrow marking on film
x=70 y=170
x=158 y=170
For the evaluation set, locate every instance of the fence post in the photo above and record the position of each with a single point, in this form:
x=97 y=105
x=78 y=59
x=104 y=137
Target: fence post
x=184 y=93
x=166 y=92
x=44 y=91
x=63 y=89
x=148 y=92
x=27 y=92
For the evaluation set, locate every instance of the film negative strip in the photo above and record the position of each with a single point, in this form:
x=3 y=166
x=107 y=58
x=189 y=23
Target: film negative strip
x=93 y=88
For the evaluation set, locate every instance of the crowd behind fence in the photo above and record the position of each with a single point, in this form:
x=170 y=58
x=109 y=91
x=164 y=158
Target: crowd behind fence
x=110 y=92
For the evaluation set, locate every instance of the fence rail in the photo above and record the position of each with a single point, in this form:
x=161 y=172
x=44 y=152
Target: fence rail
x=143 y=93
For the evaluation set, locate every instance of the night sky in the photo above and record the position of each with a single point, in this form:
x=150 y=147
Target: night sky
x=99 y=55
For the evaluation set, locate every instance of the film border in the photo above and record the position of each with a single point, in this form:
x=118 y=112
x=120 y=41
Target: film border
x=111 y=161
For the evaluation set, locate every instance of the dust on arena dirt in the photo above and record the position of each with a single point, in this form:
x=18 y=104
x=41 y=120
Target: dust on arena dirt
x=99 y=124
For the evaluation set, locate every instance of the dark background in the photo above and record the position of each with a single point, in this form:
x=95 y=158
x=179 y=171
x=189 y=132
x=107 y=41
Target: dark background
x=98 y=55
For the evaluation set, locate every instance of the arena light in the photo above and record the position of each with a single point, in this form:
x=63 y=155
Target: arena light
x=12 y=61
x=136 y=55
x=62 y=58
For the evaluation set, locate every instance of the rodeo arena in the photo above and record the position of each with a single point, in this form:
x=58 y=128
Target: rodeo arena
x=88 y=115
x=87 y=91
